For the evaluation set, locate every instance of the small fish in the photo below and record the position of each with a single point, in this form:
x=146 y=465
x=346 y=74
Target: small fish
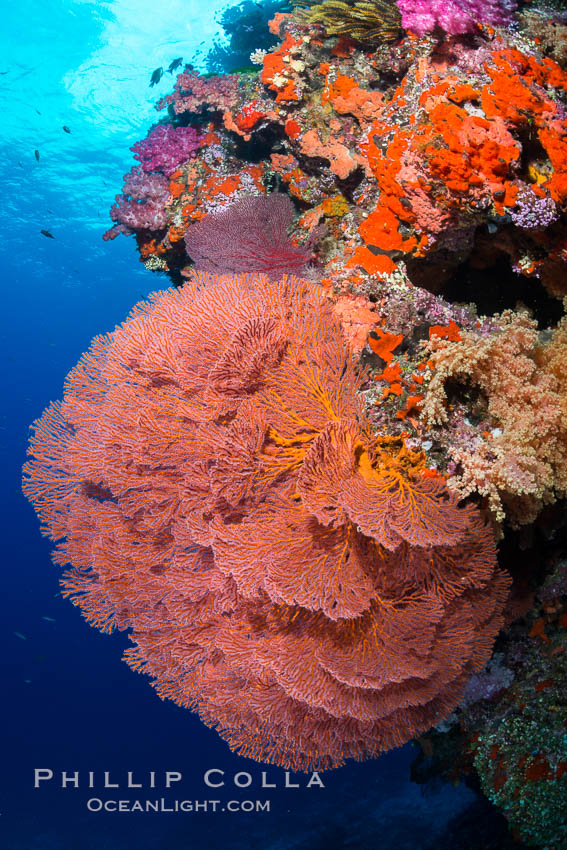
x=20 y=164
x=27 y=681
x=175 y=64
x=36 y=154
x=38 y=112
x=49 y=619
x=156 y=76
x=66 y=129
x=47 y=234
x=20 y=635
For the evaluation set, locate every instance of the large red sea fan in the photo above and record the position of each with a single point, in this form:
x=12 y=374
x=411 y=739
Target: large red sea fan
x=305 y=586
x=249 y=236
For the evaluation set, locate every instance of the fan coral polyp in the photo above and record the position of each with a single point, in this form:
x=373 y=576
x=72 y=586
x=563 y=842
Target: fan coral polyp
x=307 y=587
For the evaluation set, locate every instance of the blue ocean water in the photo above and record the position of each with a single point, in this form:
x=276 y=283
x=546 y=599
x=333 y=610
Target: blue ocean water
x=70 y=704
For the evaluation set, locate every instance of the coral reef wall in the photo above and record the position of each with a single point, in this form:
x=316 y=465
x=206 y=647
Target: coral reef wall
x=429 y=176
x=293 y=489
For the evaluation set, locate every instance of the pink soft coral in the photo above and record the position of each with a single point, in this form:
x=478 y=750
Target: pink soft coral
x=141 y=206
x=454 y=16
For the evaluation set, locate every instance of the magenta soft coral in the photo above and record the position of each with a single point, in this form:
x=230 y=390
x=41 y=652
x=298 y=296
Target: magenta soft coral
x=454 y=16
x=166 y=147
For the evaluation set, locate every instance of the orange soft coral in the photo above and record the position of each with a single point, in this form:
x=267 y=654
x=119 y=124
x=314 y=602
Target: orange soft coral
x=452 y=157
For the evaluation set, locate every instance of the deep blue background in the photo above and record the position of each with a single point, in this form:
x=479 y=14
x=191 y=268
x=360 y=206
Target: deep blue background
x=69 y=702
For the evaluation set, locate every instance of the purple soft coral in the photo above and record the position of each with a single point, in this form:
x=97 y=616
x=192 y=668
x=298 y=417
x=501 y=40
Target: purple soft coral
x=141 y=206
x=249 y=236
x=166 y=147
x=454 y=16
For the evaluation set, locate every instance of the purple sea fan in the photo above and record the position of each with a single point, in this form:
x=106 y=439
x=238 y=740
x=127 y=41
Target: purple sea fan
x=454 y=16
x=249 y=236
x=166 y=147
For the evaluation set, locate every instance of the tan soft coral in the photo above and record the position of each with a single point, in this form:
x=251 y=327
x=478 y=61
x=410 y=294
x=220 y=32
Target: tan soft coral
x=553 y=359
x=521 y=464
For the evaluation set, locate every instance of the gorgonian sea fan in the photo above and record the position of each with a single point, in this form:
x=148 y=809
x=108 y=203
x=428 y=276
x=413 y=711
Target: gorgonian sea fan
x=249 y=236
x=307 y=587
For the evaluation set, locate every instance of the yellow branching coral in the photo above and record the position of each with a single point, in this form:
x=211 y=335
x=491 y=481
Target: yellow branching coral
x=522 y=463
x=367 y=21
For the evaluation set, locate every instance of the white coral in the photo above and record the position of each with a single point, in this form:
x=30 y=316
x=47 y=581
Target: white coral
x=257 y=56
